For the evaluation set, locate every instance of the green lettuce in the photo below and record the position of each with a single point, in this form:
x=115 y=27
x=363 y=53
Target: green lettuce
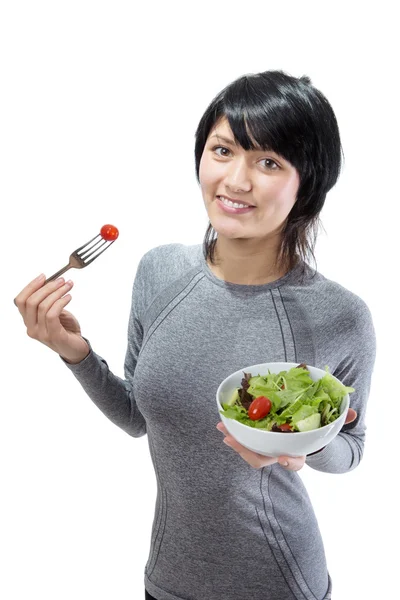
x=295 y=398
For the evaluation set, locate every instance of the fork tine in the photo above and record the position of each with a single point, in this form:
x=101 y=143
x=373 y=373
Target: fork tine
x=87 y=243
x=94 y=257
x=92 y=250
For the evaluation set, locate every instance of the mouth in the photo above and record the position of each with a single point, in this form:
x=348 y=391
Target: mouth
x=234 y=203
x=233 y=207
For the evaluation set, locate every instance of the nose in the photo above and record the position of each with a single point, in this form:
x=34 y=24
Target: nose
x=237 y=178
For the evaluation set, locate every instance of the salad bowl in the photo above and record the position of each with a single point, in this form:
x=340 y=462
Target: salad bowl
x=279 y=443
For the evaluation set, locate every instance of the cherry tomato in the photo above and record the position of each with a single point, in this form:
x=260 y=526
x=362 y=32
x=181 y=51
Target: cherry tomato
x=285 y=427
x=109 y=233
x=259 y=408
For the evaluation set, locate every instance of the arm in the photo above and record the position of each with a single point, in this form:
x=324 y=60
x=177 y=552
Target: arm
x=358 y=348
x=111 y=394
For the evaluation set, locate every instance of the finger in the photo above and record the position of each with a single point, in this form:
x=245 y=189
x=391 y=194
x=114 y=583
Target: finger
x=53 y=315
x=351 y=416
x=221 y=427
x=30 y=309
x=292 y=463
x=48 y=302
x=252 y=458
x=34 y=285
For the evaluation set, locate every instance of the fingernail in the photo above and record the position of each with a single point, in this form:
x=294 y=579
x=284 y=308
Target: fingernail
x=40 y=277
x=227 y=442
x=285 y=463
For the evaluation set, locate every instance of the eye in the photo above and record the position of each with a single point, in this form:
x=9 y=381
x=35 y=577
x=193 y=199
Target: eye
x=267 y=160
x=273 y=162
x=222 y=147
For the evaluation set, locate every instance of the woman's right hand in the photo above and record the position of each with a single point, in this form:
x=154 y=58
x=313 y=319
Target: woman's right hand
x=41 y=307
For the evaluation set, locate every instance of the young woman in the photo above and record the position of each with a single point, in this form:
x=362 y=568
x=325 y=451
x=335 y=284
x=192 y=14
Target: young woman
x=232 y=525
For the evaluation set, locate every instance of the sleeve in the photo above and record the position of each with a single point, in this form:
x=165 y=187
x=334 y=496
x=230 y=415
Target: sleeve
x=358 y=348
x=111 y=394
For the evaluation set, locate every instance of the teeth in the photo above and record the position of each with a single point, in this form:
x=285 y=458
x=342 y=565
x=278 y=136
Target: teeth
x=232 y=204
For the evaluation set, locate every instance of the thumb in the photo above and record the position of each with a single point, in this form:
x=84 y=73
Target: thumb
x=292 y=463
x=351 y=416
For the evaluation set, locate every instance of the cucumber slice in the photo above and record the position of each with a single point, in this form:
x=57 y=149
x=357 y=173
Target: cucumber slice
x=232 y=400
x=311 y=422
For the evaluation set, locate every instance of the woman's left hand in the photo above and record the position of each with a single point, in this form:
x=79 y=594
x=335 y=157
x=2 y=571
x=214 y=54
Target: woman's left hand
x=258 y=461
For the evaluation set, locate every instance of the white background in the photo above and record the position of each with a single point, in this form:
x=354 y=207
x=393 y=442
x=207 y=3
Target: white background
x=99 y=104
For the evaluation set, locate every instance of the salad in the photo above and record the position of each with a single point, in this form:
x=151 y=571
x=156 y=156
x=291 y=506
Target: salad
x=288 y=401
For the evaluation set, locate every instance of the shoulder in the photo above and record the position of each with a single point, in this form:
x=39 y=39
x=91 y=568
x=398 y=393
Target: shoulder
x=337 y=302
x=162 y=266
x=169 y=255
x=340 y=317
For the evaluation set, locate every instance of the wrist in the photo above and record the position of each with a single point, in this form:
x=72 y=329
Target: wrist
x=316 y=452
x=76 y=359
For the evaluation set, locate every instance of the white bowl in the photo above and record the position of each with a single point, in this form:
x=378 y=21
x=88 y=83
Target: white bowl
x=271 y=443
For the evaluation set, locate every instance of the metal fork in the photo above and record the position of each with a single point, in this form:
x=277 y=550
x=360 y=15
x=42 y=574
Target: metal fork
x=80 y=257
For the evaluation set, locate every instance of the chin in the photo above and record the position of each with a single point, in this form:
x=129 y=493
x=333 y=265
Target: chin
x=230 y=232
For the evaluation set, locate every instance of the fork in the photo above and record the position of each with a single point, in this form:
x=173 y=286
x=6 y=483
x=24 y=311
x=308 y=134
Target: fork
x=79 y=258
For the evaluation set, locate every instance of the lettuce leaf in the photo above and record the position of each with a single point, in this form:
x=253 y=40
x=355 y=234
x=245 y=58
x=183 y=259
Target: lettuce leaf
x=295 y=397
x=305 y=411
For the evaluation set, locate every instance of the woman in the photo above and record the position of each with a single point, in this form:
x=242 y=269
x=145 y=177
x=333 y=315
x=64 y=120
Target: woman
x=232 y=525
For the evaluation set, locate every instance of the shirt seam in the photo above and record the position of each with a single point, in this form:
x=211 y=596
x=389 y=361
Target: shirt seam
x=280 y=325
x=303 y=595
x=290 y=324
x=284 y=537
x=149 y=335
x=273 y=554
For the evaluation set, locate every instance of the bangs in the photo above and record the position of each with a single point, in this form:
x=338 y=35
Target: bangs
x=262 y=122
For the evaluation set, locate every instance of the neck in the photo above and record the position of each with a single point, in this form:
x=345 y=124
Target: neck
x=246 y=262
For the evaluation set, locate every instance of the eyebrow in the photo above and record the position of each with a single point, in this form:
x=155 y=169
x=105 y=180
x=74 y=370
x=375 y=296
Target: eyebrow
x=224 y=139
x=233 y=143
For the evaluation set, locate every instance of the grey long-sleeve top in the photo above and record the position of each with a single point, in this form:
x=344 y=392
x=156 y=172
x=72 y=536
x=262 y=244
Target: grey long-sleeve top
x=222 y=529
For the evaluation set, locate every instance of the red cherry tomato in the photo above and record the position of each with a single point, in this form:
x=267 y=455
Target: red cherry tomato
x=259 y=408
x=285 y=427
x=109 y=233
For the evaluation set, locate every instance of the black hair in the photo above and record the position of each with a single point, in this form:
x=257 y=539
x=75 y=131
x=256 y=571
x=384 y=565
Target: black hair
x=289 y=116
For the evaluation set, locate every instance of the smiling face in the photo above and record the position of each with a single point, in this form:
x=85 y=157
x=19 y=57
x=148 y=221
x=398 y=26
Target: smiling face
x=262 y=180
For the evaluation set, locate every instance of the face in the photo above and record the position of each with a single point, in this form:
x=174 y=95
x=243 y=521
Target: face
x=261 y=183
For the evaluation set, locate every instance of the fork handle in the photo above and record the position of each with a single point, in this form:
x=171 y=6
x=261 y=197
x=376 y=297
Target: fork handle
x=60 y=272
